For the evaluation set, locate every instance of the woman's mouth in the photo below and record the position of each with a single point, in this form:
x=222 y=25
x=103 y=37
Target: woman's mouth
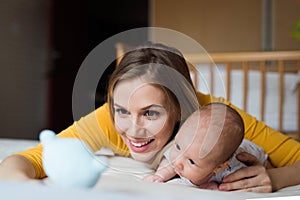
x=140 y=146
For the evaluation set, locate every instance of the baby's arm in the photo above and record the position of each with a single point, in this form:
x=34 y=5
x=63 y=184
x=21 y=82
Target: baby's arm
x=163 y=173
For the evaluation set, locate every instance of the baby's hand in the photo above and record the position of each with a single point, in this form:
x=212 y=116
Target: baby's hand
x=153 y=178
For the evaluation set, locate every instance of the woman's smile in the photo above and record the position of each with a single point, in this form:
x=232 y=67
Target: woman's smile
x=140 y=146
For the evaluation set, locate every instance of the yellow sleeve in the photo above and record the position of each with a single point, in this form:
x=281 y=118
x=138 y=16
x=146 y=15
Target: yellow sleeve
x=96 y=129
x=281 y=149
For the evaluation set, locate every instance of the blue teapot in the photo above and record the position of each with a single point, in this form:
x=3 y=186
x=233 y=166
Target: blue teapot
x=69 y=162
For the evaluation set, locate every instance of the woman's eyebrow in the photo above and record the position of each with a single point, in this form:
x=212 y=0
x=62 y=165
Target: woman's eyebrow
x=144 y=108
x=117 y=105
x=151 y=106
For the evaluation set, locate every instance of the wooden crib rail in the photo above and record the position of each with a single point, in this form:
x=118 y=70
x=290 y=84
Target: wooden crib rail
x=244 y=56
x=276 y=61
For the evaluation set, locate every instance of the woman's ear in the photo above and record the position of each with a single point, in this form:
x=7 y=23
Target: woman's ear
x=222 y=167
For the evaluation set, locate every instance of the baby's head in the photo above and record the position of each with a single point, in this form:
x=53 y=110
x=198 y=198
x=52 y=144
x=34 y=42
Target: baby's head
x=206 y=141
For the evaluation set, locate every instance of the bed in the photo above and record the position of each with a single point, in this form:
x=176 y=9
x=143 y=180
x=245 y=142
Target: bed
x=122 y=180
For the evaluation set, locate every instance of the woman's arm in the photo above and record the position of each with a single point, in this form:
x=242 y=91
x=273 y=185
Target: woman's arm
x=285 y=176
x=16 y=167
x=256 y=178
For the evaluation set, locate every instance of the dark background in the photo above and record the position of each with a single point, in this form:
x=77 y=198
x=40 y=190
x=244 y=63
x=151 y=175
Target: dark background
x=76 y=28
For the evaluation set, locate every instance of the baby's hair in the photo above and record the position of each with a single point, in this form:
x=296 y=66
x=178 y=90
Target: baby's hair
x=224 y=133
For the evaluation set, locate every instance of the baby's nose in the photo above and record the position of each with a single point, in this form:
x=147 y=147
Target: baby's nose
x=178 y=166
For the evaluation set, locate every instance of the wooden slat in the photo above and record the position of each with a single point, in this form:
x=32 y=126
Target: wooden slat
x=281 y=93
x=262 y=89
x=228 y=81
x=298 y=90
x=212 y=78
x=194 y=75
x=243 y=56
x=120 y=50
x=245 y=90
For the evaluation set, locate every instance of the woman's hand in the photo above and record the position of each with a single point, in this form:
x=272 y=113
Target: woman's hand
x=249 y=179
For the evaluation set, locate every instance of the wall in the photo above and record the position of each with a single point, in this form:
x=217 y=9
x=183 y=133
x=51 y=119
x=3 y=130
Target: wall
x=232 y=25
x=23 y=61
x=286 y=14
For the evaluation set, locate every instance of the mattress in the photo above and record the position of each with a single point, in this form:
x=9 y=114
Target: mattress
x=122 y=180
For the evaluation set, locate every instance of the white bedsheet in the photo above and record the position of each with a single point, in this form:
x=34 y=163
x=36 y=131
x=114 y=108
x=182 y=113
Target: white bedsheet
x=122 y=180
x=10 y=146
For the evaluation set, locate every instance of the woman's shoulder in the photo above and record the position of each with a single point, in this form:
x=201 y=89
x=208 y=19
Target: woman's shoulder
x=102 y=115
x=102 y=132
x=204 y=99
x=98 y=119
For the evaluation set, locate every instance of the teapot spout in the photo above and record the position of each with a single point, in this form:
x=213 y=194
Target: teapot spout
x=46 y=135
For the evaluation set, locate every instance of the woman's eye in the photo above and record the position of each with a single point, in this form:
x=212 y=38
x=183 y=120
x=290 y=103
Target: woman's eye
x=151 y=114
x=121 y=111
x=191 y=162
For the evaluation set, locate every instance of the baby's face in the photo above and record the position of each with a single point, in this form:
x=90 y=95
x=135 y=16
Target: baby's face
x=185 y=156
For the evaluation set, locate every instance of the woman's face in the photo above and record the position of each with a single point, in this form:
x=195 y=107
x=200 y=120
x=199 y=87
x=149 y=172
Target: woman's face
x=142 y=118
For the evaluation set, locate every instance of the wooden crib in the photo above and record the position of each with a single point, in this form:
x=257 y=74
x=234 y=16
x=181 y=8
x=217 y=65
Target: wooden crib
x=283 y=64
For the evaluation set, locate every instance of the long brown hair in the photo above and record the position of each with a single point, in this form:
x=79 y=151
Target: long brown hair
x=162 y=66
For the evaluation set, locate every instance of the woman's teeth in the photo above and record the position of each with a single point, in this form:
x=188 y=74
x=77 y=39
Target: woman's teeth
x=140 y=144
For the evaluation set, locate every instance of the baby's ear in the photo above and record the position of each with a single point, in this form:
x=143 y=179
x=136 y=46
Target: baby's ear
x=222 y=166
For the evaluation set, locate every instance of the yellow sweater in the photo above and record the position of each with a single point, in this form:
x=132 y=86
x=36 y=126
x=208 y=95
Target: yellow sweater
x=98 y=131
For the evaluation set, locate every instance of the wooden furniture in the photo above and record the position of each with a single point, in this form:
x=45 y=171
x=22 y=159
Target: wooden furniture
x=281 y=62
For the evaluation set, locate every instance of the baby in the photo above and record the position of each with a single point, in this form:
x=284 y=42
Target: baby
x=205 y=148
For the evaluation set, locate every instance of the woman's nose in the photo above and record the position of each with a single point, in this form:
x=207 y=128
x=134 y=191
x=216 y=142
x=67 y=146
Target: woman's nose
x=135 y=129
x=137 y=120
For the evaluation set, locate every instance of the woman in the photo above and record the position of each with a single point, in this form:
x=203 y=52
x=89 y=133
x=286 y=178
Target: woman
x=150 y=95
